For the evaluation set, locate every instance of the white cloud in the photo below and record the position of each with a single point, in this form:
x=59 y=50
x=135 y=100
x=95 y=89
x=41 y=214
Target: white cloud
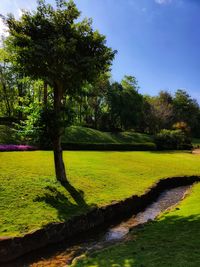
x=163 y=2
x=3 y=29
x=15 y=6
x=19 y=13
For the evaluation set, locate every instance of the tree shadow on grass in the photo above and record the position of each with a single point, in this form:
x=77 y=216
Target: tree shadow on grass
x=171 y=242
x=77 y=195
x=66 y=206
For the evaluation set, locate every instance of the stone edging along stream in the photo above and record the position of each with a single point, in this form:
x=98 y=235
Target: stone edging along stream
x=13 y=247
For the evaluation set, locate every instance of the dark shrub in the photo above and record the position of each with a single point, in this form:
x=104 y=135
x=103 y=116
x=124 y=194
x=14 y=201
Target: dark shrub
x=8 y=135
x=172 y=139
x=110 y=147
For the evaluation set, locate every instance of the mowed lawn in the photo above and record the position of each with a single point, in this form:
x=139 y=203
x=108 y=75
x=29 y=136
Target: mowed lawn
x=170 y=241
x=30 y=197
x=80 y=134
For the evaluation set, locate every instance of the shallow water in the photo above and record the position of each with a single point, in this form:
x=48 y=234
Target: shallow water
x=62 y=254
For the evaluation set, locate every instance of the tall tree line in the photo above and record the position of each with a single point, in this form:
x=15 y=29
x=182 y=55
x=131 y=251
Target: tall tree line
x=103 y=104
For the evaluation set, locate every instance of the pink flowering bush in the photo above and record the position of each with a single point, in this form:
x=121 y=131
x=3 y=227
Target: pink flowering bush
x=16 y=148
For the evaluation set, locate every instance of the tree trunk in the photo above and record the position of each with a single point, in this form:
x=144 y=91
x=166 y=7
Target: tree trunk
x=56 y=137
x=7 y=104
x=58 y=160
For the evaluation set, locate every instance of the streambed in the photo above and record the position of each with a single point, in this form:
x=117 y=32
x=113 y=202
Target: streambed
x=63 y=254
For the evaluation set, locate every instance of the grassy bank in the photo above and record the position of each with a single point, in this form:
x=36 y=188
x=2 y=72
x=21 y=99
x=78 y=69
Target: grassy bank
x=172 y=240
x=77 y=134
x=30 y=197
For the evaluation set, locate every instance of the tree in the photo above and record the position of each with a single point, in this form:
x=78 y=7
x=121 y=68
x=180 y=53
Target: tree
x=132 y=101
x=7 y=86
x=51 y=44
x=114 y=99
x=125 y=103
x=158 y=112
x=186 y=109
x=96 y=98
x=130 y=82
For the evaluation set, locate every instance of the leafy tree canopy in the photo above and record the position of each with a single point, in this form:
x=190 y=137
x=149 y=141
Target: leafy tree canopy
x=53 y=45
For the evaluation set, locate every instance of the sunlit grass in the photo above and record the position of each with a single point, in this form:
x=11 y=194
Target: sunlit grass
x=30 y=197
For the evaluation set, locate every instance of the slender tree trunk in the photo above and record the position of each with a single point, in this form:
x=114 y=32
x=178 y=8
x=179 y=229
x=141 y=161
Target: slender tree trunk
x=56 y=139
x=6 y=100
x=7 y=104
x=43 y=95
x=58 y=160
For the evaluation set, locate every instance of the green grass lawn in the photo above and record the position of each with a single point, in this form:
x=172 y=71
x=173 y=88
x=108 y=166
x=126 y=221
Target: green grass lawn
x=170 y=241
x=30 y=197
x=77 y=134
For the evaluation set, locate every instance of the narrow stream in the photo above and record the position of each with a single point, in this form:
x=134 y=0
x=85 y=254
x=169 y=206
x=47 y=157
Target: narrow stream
x=61 y=255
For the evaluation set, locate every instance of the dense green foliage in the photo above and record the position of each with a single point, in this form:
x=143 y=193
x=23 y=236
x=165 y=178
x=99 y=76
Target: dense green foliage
x=172 y=240
x=172 y=139
x=8 y=135
x=28 y=185
x=110 y=147
x=102 y=105
x=70 y=70
x=62 y=51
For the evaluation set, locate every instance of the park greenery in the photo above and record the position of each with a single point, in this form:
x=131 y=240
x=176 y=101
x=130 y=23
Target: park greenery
x=56 y=90
x=31 y=197
x=75 y=58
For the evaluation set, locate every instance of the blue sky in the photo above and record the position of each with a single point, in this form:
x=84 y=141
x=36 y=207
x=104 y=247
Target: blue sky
x=158 y=41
